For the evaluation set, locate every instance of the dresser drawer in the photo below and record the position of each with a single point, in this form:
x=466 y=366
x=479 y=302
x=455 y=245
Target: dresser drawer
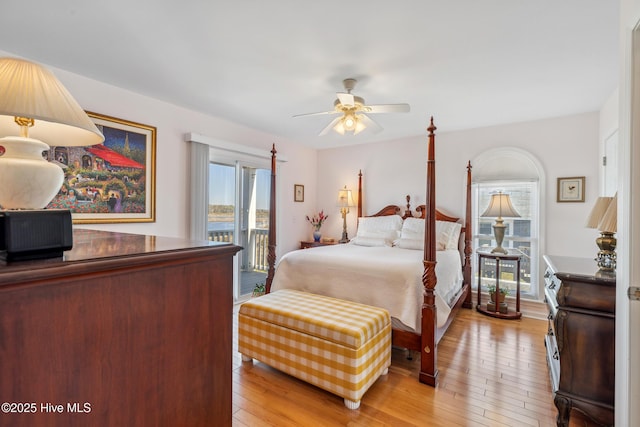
x=553 y=361
x=551 y=286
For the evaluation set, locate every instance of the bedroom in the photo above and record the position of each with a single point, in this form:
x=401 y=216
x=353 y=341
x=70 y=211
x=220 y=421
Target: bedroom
x=324 y=171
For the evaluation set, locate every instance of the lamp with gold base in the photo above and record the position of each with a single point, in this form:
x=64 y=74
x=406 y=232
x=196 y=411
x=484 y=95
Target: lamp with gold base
x=603 y=216
x=345 y=201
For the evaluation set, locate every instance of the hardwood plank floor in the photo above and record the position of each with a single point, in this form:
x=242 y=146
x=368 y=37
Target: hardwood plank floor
x=492 y=373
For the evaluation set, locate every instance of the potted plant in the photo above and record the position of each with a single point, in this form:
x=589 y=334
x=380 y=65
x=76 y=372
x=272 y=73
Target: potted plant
x=258 y=290
x=492 y=293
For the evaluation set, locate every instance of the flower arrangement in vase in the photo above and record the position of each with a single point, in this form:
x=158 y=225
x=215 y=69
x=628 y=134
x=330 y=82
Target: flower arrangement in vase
x=316 y=221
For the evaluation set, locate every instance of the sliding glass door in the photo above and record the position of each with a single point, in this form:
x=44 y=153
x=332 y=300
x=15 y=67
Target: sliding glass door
x=239 y=213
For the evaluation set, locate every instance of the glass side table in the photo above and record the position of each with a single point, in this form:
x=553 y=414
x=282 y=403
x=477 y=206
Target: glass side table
x=499 y=308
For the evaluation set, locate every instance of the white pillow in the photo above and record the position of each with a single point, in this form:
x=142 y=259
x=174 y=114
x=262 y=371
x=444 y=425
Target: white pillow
x=406 y=243
x=447 y=234
x=412 y=228
x=385 y=227
x=370 y=241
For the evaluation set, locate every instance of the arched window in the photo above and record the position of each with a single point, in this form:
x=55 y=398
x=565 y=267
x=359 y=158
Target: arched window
x=518 y=173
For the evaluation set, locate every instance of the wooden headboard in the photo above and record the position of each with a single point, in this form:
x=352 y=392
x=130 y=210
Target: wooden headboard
x=421 y=210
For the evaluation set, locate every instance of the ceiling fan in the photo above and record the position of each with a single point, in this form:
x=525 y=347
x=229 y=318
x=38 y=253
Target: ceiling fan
x=351 y=109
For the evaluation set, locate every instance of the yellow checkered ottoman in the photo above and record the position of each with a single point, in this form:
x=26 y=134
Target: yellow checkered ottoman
x=340 y=346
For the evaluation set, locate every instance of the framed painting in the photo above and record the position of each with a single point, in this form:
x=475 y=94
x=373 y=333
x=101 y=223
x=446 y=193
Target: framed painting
x=571 y=189
x=109 y=182
x=298 y=193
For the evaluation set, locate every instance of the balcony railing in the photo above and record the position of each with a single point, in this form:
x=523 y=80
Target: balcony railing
x=254 y=255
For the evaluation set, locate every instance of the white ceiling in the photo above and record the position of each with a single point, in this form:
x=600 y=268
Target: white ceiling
x=469 y=63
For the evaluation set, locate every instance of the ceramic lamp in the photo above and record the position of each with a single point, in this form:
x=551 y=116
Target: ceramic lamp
x=36 y=112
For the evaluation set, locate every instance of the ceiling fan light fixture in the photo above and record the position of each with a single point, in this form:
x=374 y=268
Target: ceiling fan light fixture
x=350 y=111
x=350 y=122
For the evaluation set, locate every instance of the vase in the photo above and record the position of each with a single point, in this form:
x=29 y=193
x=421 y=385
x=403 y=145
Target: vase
x=492 y=295
x=316 y=236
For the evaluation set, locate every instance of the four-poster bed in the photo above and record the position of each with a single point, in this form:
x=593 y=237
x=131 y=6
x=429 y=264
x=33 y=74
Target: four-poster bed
x=423 y=336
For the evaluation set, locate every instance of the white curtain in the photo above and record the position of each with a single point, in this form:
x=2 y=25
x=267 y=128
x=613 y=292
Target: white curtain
x=199 y=194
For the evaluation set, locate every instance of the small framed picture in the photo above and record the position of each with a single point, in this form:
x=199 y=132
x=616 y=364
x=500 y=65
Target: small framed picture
x=571 y=189
x=298 y=193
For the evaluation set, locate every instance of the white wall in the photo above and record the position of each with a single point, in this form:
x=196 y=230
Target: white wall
x=172 y=123
x=565 y=146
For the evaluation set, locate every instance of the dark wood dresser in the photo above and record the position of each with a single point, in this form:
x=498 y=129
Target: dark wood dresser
x=581 y=338
x=124 y=330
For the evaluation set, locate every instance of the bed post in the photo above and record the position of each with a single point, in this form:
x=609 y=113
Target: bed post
x=360 y=194
x=428 y=356
x=468 y=239
x=271 y=255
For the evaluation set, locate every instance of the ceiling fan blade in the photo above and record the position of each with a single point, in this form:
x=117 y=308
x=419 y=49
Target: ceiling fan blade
x=386 y=108
x=375 y=128
x=346 y=99
x=321 y=113
x=330 y=126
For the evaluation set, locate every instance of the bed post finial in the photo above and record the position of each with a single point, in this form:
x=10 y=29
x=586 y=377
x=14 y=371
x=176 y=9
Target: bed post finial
x=271 y=248
x=407 y=212
x=431 y=127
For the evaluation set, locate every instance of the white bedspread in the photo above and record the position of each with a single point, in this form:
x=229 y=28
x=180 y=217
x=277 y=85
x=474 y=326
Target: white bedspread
x=387 y=277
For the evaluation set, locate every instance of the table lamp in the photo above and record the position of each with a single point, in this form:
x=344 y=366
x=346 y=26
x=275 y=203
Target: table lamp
x=604 y=217
x=36 y=111
x=345 y=201
x=500 y=206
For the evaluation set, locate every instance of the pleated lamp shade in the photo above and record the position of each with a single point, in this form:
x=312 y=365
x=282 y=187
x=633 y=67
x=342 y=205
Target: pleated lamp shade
x=500 y=206
x=36 y=112
x=609 y=221
x=31 y=91
x=598 y=211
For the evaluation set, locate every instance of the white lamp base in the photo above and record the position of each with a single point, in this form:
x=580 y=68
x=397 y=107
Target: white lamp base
x=27 y=180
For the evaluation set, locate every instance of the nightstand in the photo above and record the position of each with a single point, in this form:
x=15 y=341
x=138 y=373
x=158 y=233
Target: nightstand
x=312 y=244
x=512 y=261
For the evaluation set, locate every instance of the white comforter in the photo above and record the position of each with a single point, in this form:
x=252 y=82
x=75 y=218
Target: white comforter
x=387 y=277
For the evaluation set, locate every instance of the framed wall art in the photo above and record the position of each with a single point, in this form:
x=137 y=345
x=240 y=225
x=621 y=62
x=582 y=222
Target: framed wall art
x=109 y=182
x=298 y=193
x=571 y=189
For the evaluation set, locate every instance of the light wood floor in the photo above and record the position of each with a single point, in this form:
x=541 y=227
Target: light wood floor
x=492 y=373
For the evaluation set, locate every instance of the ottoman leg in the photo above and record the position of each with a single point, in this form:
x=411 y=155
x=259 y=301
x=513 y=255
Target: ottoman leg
x=246 y=358
x=350 y=404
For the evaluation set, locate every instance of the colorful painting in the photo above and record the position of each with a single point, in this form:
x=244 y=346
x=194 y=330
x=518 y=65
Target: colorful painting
x=109 y=182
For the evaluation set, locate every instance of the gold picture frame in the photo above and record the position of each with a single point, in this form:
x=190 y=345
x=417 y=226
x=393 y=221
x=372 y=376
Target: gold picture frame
x=111 y=182
x=298 y=193
x=570 y=189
